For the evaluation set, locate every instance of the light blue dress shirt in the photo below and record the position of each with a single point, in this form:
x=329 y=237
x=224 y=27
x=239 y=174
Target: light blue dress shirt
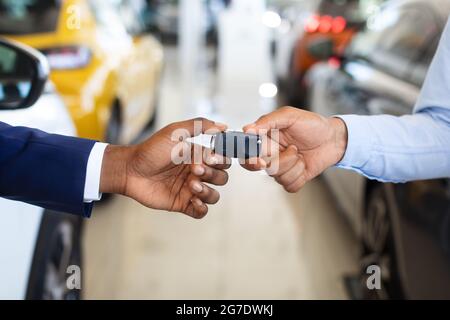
x=412 y=147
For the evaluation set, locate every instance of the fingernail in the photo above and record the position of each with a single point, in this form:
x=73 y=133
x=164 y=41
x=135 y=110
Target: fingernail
x=199 y=170
x=263 y=163
x=198 y=202
x=197 y=187
x=213 y=161
x=251 y=130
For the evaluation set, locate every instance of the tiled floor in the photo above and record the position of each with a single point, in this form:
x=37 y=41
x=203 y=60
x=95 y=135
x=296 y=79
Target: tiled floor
x=258 y=242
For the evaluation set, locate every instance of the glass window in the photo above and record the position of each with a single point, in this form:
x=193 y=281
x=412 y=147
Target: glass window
x=107 y=17
x=354 y=11
x=421 y=66
x=29 y=16
x=7 y=60
x=338 y=7
x=394 y=38
x=132 y=14
x=428 y=56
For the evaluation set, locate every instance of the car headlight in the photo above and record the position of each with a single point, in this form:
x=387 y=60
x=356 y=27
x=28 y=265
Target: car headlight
x=69 y=57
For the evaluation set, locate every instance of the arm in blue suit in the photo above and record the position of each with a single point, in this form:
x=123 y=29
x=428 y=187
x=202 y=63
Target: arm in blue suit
x=43 y=169
x=50 y=170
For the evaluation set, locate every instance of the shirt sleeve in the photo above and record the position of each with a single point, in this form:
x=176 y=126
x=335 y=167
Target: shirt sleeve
x=412 y=147
x=44 y=170
x=93 y=173
x=399 y=149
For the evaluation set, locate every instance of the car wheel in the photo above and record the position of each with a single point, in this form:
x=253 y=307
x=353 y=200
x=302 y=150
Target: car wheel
x=113 y=137
x=114 y=126
x=152 y=121
x=295 y=91
x=290 y=86
x=57 y=248
x=379 y=248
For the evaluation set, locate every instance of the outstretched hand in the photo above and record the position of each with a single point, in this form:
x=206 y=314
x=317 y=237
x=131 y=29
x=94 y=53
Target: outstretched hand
x=152 y=173
x=306 y=143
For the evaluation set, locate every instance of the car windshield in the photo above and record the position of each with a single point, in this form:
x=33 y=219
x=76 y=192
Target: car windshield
x=352 y=10
x=29 y=16
x=394 y=38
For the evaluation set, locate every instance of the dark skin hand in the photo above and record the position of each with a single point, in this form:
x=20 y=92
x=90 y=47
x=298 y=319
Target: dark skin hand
x=308 y=144
x=148 y=174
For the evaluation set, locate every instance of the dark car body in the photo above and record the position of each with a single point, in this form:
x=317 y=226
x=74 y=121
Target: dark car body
x=163 y=17
x=404 y=228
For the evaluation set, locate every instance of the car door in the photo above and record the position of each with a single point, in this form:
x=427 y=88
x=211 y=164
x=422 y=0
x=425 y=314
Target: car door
x=140 y=70
x=421 y=219
x=21 y=222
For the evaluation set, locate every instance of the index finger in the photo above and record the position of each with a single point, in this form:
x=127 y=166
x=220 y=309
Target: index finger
x=279 y=119
x=254 y=164
x=197 y=126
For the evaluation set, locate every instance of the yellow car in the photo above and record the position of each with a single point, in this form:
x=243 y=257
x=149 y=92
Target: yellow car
x=104 y=65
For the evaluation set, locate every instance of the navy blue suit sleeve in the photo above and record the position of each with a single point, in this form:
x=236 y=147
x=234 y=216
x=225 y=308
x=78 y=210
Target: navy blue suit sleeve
x=44 y=169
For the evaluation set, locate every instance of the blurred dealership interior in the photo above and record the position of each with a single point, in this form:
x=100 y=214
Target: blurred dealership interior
x=122 y=69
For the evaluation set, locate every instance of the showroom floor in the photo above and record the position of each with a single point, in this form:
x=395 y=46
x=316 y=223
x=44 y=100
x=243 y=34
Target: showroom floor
x=257 y=243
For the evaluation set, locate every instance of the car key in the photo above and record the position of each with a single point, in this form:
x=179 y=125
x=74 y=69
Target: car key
x=234 y=144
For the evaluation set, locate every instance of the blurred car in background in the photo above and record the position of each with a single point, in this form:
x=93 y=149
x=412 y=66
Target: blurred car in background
x=293 y=15
x=104 y=66
x=36 y=245
x=334 y=19
x=164 y=18
x=404 y=228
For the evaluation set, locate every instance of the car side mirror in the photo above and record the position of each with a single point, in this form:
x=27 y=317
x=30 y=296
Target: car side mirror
x=23 y=75
x=322 y=48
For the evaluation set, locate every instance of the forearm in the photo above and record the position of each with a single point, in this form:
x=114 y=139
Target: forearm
x=398 y=149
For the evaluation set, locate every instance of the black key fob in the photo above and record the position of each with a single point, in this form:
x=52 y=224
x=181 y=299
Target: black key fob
x=233 y=144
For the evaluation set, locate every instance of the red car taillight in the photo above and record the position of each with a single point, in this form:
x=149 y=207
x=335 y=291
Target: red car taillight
x=312 y=24
x=64 y=58
x=325 y=24
x=339 y=24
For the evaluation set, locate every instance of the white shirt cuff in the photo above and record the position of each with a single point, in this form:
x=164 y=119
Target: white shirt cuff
x=93 y=172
